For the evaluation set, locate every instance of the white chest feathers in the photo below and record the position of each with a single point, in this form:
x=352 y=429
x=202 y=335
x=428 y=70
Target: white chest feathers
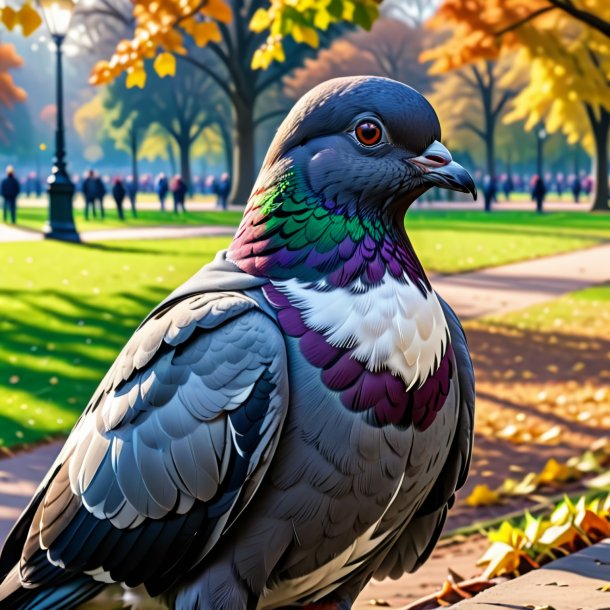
x=392 y=325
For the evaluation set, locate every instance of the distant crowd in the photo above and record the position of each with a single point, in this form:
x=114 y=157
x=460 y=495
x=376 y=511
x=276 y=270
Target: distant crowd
x=95 y=188
x=576 y=185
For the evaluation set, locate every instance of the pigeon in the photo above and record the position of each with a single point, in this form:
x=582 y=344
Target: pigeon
x=293 y=420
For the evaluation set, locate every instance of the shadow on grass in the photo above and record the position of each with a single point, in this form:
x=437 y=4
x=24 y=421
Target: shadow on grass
x=51 y=362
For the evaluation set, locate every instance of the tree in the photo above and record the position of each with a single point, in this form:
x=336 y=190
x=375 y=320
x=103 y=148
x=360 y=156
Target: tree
x=474 y=99
x=250 y=46
x=183 y=111
x=567 y=60
x=10 y=93
x=246 y=36
x=392 y=49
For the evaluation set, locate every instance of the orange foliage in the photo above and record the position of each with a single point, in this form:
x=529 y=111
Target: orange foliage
x=10 y=93
x=476 y=26
x=162 y=24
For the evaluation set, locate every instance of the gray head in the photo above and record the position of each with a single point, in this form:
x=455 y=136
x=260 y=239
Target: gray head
x=364 y=139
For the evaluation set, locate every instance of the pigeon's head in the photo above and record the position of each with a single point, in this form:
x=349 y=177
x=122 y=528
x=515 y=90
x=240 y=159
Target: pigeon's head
x=344 y=167
x=366 y=142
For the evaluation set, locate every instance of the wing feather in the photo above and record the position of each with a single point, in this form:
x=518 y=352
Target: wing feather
x=172 y=446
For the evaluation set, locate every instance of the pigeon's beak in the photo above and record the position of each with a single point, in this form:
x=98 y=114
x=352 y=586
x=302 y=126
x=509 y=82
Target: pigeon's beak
x=439 y=169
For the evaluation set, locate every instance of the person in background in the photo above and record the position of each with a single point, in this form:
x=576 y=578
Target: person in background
x=118 y=193
x=587 y=184
x=538 y=192
x=132 y=193
x=179 y=190
x=162 y=188
x=560 y=184
x=89 y=193
x=209 y=187
x=100 y=193
x=576 y=188
x=489 y=191
x=10 y=189
x=223 y=188
x=507 y=186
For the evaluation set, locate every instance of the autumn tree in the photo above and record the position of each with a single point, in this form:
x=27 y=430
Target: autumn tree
x=10 y=93
x=474 y=99
x=564 y=45
x=391 y=49
x=183 y=110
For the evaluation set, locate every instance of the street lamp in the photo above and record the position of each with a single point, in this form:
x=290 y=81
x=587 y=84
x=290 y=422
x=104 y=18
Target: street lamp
x=57 y=15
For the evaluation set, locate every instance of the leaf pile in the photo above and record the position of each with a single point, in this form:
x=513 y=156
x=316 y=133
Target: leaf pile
x=554 y=474
x=569 y=528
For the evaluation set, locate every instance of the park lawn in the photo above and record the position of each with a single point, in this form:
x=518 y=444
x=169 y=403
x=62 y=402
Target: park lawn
x=446 y=241
x=459 y=241
x=67 y=310
x=35 y=217
x=585 y=312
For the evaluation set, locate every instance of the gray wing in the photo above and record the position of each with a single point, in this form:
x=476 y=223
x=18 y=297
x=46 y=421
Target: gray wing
x=171 y=448
x=419 y=538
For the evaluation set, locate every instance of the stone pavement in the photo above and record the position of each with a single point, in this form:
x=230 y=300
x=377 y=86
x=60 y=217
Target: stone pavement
x=499 y=290
x=575 y=582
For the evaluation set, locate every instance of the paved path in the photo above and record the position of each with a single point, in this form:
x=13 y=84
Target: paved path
x=499 y=290
x=574 y=582
x=156 y=233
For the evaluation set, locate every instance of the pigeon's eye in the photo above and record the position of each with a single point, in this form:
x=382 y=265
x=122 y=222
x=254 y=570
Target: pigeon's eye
x=368 y=133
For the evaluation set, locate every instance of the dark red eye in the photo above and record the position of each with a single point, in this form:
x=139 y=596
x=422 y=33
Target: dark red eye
x=368 y=133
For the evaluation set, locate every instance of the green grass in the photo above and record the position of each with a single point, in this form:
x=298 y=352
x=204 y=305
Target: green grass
x=35 y=218
x=67 y=310
x=446 y=241
x=582 y=312
x=458 y=241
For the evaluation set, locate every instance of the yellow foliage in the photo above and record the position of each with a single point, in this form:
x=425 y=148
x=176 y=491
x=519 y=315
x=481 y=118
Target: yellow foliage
x=29 y=19
x=483 y=496
x=9 y=17
x=165 y=65
x=568 y=61
x=136 y=77
x=569 y=527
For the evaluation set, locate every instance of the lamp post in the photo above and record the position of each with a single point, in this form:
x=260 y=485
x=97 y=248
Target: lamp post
x=57 y=15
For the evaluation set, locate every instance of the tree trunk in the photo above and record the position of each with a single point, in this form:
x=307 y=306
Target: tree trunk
x=491 y=165
x=172 y=158
x=133 y=144
x=243 y=153
x=600 y=133
x=227 y=142
x=184 y=145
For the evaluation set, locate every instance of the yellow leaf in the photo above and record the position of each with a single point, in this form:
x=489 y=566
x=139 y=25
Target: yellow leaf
x=322 y=19
x=9 y=17
x=483 y=496
x=260 y=20
x=554 y=472
x=136 y=78
x=307 y=35
x=165 y=65
x=29 y=19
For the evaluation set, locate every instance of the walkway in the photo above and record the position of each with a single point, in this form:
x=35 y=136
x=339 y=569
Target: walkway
x=500 y=290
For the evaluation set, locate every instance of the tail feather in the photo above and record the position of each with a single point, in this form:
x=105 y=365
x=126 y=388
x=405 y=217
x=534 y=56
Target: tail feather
x=67 y=595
